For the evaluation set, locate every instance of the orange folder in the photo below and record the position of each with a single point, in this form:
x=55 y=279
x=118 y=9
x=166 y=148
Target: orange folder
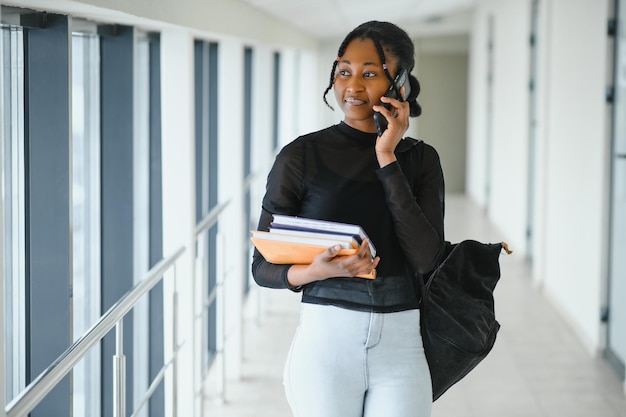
x=284 y=252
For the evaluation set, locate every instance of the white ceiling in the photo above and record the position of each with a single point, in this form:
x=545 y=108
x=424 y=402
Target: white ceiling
x=327 y=19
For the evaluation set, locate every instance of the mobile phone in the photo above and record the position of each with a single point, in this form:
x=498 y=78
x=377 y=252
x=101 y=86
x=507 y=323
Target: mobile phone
x=401 y=80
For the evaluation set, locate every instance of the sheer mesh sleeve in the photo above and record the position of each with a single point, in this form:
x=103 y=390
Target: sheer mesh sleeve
x=414 y=189
x=282 y=195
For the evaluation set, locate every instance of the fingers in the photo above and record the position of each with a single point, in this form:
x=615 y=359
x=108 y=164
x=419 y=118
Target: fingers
x=330 y=264
x=397 y=116
x=397 y=106
x=331 y=252
x=364 y=249
x=364 y=262
x=369 y=270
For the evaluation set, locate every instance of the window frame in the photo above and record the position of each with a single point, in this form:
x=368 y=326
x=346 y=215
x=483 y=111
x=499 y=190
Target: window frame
x=14 y=212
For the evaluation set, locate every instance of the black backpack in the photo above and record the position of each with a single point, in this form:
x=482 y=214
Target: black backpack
x=458 y=322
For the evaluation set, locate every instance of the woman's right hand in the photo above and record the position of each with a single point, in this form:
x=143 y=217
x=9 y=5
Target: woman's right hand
x=329 y=264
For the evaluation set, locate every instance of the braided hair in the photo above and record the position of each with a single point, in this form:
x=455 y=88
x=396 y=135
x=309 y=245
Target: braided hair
x=386 y=37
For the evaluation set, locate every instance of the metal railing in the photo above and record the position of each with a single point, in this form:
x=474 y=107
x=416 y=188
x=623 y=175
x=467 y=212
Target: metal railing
x=210 y=219
x=37 y=390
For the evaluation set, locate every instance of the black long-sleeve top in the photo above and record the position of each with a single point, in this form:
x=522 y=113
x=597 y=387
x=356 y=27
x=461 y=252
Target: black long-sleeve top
x=333 y=174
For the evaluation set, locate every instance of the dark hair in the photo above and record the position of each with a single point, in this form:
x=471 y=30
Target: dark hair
x=396 y=42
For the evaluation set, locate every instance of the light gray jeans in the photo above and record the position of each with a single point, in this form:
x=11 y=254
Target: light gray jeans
x=345 y=363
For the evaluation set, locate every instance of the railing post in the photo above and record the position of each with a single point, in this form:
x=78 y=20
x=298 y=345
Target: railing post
x=175 y=344
x=200 y=322
x=2 y=243
x=119 y=372
x=220 y=330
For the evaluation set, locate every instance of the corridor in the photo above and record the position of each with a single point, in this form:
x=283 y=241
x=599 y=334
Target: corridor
x=538 y=367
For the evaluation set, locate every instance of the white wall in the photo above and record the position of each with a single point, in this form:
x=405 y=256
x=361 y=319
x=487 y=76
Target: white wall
x=442 y=72
x=232 y=223
x=572 y=152
x=262 y=152
x=289 y=104
x=576 y=162
x=509 y=127
x=179 y=204
x=476 y=113
x=310 y=93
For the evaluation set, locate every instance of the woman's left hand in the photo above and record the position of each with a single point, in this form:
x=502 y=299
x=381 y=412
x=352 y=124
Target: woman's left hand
x=397 y=125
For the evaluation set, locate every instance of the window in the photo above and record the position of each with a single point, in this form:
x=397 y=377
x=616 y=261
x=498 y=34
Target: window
x=206 y=182
x=131 y=205
x=247 y=156
x=276 y=101
x=36 y=170
x=81 y=203
x=157 y=343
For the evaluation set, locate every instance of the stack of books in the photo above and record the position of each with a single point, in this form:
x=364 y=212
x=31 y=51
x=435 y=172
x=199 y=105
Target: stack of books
x=297 y=240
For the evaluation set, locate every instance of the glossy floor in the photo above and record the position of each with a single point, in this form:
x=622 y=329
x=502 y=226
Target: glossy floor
x=538 y=368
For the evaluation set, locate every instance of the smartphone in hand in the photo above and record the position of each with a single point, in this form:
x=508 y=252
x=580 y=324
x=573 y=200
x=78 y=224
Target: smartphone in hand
x=401 y=80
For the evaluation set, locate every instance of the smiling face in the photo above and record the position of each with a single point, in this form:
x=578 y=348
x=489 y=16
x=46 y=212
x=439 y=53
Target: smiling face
x=360 y=82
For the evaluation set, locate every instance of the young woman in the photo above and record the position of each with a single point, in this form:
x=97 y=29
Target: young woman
x=358 y=349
